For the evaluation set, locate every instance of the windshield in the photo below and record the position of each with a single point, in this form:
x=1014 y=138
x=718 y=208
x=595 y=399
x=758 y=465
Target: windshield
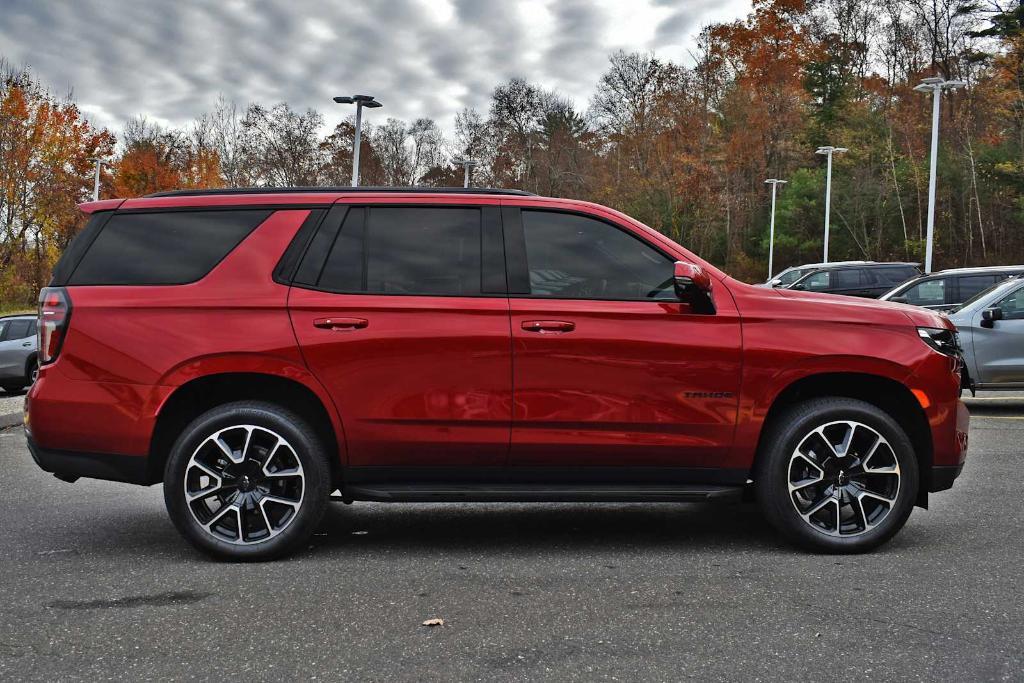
x=791 y=275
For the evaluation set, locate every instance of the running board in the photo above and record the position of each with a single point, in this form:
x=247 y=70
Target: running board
x=539 y=493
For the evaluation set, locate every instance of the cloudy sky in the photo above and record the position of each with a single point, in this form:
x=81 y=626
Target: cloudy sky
x=169 y=59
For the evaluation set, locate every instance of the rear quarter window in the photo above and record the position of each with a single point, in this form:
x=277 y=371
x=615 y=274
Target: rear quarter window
x=970 y=285
x=894 y=275
x=163 y=248
x=22 y=328
x=846 y=279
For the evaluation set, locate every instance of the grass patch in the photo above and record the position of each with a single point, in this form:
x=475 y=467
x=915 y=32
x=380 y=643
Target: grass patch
x=16 y=309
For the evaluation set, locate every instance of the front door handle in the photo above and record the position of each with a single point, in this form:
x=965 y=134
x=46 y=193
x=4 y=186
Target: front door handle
x=341 y=324
x=549 y=326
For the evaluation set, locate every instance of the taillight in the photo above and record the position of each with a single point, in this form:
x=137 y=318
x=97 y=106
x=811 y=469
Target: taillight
x=54 y=315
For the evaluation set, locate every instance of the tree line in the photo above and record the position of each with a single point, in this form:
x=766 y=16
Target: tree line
x=683 y=147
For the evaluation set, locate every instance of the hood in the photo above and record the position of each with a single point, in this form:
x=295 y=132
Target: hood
x=867 y=310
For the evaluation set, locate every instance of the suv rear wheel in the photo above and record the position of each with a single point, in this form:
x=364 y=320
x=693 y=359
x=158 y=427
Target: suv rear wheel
x=837 y=475
x=247 y=481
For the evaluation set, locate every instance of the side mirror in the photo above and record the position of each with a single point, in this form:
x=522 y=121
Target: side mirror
x=990 y=315
x=693 y=286
x=899 y=300
x=775 y=283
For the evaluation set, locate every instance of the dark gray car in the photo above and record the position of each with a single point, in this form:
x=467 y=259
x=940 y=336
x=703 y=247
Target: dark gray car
x=991 y=329
x=18 y=351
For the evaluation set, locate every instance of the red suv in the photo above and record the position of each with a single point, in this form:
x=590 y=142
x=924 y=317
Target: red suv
x=259 y=350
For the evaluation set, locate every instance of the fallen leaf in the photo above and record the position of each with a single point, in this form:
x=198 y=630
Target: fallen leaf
x=434 y=622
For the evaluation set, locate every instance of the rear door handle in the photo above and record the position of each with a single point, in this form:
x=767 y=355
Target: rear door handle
x=548 y=326
x=27 y=344
x=341 y=323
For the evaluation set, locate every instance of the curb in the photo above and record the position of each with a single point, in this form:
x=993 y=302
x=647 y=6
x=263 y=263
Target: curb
x=10 y=420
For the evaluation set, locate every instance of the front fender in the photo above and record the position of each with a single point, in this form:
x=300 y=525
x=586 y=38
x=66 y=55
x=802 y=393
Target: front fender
x=763 y=384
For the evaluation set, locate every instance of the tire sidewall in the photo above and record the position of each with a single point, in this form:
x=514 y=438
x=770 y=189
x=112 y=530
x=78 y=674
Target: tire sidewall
x=309 y=450
x=773 y=473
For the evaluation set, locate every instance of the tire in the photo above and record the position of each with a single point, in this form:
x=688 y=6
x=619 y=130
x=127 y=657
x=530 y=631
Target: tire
x=257 y=477
x=871 y=461
x=12 y=387
x=31 y=371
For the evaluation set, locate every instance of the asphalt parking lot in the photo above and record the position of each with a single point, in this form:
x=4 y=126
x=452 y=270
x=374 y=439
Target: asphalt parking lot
x=96 y=584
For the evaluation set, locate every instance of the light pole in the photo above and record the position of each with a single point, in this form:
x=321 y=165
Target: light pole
x=935 y=84
x=466 y=165
x=96 y=183
x=828 y=151
x=774 y=182
x=360 y=101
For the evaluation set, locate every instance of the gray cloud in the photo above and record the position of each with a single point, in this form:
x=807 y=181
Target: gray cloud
x=169 y=59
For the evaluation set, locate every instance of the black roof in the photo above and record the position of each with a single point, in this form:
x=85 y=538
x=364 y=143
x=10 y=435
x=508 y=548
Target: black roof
x=346 y=189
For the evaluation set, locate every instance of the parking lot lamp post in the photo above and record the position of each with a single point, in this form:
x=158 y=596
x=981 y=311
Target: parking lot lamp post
x=360 y=101
x=828 y=151
x=774 y=182
x=466 y=164
x=96 y=182
x=935 y=85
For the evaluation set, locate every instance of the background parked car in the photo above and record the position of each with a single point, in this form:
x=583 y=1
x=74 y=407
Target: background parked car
x=948 y=289
x=992 y=335
x=794 y=273
x=18 y=350
x=866 y=279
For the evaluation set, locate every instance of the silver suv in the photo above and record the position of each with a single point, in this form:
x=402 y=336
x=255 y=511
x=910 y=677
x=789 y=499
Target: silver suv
x=18 y=351
x=991 y=329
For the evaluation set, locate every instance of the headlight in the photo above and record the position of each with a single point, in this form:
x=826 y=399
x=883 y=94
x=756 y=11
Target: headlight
x=942 y=340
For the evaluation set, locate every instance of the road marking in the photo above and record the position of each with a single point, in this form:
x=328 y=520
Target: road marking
x=994 y=398
x=997 y=417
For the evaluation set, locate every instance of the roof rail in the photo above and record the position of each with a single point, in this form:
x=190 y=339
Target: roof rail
x=368 y=189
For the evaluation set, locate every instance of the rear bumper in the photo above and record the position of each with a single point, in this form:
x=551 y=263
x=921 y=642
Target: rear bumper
x=72 y=465
x=943 y=477
x=92 y=417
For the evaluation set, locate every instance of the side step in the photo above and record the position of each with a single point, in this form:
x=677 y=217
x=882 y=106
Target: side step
x=539 y=493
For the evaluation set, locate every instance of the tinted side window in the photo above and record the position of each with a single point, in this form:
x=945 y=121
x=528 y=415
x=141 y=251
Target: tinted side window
x=18 y=329
x=893 y=276
x=817 y=282
x=575 y=257
x=1013 y=306
x=406 y=250
x=927 y=293
x=972 y=284
x=845 y=279
x=169 y=248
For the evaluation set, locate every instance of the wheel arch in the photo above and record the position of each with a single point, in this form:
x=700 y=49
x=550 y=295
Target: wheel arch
x=199 y=394
x=889 y=395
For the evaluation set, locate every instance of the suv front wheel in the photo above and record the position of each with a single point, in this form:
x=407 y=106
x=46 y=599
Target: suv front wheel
x=247 y=481
x=837 y=475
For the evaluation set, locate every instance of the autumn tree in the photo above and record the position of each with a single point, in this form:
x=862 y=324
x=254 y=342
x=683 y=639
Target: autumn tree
x=45 y=170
